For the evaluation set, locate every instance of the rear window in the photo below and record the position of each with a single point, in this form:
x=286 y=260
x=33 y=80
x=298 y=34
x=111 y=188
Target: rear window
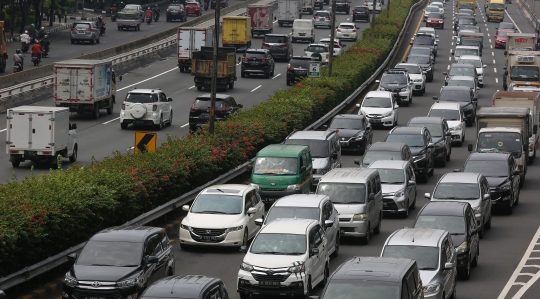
x=346 y=26
x=361 y=8
x=275 y=39
x=322 y=14
x=191 y=4
x=81 y=25
x=317 y=49
x=203 y=103
x=142 y=98
x=255 y=55
x=299 y=63
x=303 y=24
x=176 y=7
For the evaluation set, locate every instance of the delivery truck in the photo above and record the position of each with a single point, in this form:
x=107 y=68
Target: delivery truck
x=288 y=11
x=129 y=19
x=261 y=17
x=40 y=134
x=504 y=129
x=466 y=4
x=85 y=86
x=201 y=68
x=307 y=7
x=519 y=42
x=474 y=39
x=522 y=66
x=526 y=99
x=191 y=39
x=236 y=32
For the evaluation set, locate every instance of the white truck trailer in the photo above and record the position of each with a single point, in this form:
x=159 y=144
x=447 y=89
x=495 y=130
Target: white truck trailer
x=192 y=39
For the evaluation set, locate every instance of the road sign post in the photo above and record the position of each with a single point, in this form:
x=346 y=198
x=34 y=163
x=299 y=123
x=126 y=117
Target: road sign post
x=314 y=71
x=145 y=142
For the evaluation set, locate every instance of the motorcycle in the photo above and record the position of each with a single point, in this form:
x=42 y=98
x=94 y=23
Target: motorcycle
x=35 y=60
x=205 y=5
x=113 y=17
x=102 y=30
x=148 y=20
x=156 y=16
x=45 y=52
x=24 y=47
x=18 y=67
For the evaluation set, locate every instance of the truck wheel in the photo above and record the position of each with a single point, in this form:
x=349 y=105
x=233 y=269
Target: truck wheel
x=199 y=87
x=231 y=85
x=161 y=123
x=95 y=113
x=181 y=69
x=169 y=123
x=123 y=126
x=73 y=157
x=15 y=164
x=110 y=109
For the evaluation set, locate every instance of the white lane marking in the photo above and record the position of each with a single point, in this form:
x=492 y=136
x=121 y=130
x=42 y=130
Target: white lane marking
x=512 y=21
x=173 y=69
x=496 y=81
x=3 y=130
x=348 y=19
x=485 y=24
x=191 y=87
x=110 y=121
x=448 y=68
x=256 y=88
x=493 y=61
x=490 y=40
x=450 y=58
x=450 y=51
x=452 y=43
x=492 y=53
x=488 y=34
x=491 y=46
x=276 y=76
x=495 y=69
x=487 y=29
x=523 y=264
x=184 y=125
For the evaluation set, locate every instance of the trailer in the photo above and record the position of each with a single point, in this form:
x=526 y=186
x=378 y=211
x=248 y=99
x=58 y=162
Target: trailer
x=191 y=39
x=201 y=68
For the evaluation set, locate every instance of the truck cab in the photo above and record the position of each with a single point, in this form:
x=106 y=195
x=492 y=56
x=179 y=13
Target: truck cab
x=522 y=66
x=466 y=4
x=495 y=10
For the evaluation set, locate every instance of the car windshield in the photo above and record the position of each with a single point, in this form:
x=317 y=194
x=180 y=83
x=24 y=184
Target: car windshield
x=299 y=63
x=461 y=71
x=272 y=39
x=488 y=168
x=415 y=140
x=292 y=212
x=420 y=51
x=81 y=26
x=317 y=49
x=412 y=69
x=131 y=7
x=377 y=102
x=176 y=7
x=475 y=62
x=453 y=224
x=496 y=6
x=463 y=52
x=432 y=9
x=455 y=95
x=424 y=59
x=143 y=98
x=344 y=26
x=391 y=176
x=461 y=191
x=361 y=289
x=434 y=129
x=468 y=83
x=426 y=257
x=284 y=244
x=217 y=204
x=436 y=15
x=276 y=166
x=446 y=114
x=499 y=142
x=466 y=21
x=524 y=73
x=466 y=5
x=374 y=155
x=318 y=148
x=111 y=253
x=394 y=79
x=466 y=28
x=343 y=193
x=347 y=124
x=424 y=40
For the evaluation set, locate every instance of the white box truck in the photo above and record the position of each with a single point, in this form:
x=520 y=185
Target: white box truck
x=40 y=134
x=288 y=11
x=191 y=39
x=85 y=86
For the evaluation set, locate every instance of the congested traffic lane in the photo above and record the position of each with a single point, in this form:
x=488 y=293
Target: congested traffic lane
x=99 y=138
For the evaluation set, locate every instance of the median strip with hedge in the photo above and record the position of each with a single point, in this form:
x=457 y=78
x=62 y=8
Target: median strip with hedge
x=46 y=214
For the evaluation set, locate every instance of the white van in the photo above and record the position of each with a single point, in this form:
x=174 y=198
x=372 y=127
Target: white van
x=303 y=29
x=357 y=196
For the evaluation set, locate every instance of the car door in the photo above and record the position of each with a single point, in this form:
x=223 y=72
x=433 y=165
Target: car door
x=446 y=274
x=249 y=219
x=259 y=205
x=314 y=260
x=486 y=204
x=323 y=248
x=164 y=105
x=331 y=232
x=447 y=136
x=515 y=178
x=411 y=188
x=429 y=150
x=152 y=248
x=474 y=239
x=370 y=204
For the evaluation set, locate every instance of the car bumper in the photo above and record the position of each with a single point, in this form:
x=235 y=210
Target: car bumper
x=456 y=135
x=70 y=292
x=434 y=24
x=481 y=79
x=353 y=228
x=293 y=285
x=500 y=199
x=418 y=86
x=321 y=24
x=385 y=121
x=342 y=35
x=175 y=17
x=83 y=37
x=147 y=120
x=193 y=12
x=295 y=77
x=304 y=37
x=394 y=205
x=495 y=17
x=270 y=196
x=127 y=24
x=234 y=238
x=278 y=52
x=500 y=44
x=353 y=145
x=361 y=18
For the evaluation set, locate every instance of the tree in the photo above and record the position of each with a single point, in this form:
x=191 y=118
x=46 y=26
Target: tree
x=23 y=8
x=38 y=4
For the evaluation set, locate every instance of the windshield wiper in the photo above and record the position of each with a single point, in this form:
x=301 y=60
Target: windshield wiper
x=447 y=198
x=105 y=265
x=427 y=268
x=454 y=234
x=268 y=252
x=392 y=183
x=210 y=212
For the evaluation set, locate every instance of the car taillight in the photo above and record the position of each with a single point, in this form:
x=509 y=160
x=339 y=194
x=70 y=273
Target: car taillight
x=328 y=18
x=264 y=59
x=284 y=45
x=265 y=44
x=337 y=46
x=289 y=68
x=245 y=59
x=338 y=30
x=89 y=29
x=73 y=29
x=314 y=17
x=355 y=11
x=223 y=109
x=123 y=106
x=311 y=32
x=154 y=107
x=354 y=30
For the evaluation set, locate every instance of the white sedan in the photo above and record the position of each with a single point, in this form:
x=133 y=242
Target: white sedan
x=222 y=215
x=347 y=31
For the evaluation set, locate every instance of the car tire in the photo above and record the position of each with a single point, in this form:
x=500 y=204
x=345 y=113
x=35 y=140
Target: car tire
x=449 y=153
x=93 y=41
x=169 y=123
x=231 y=85
x=406 y=213
x=95 y=112
x=516 y=202
x=488 y=223
x=336 y=251
x=244 y=295
x=16 y=164
x=469 y=123
x=481 y=232
x=365 y=239
x=308 y=288
x=474 y=262
x=181 y=69
x=465 y=273
x=442 y=162
x=123 y=126
x=377 y=229
x=73 y=156
x=161 y=124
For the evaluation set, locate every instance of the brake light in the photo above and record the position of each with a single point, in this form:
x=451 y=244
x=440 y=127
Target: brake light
x=73 y=29
x=89 y=29
x=312 y=32
x=338 y=30
x=223 y=109
x=284 y=45
x=337 y=46
x=123 y=106
x=154 y=107
x=265 y=44
x=289 y=68
x=314 y=17
x=193 y=108
x=264 y=59
x=328 y=18
x=354 y=30
x=245 y=59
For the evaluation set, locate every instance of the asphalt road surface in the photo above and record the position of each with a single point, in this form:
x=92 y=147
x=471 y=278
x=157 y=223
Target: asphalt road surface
x=507 y=251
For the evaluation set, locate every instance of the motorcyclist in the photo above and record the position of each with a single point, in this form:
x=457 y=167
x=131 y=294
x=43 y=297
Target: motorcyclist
x=45 y=43
x=32 y=31
x=41 y=33
x=25 y=39
x=114 y=9
x=36 y=50
x=122 y=5
x=100 y=24
x=156 y=10
x=18 y=58
x=148 y=13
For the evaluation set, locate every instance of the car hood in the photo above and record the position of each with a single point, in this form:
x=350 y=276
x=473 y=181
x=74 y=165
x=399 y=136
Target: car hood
x=375 y=110
x=210 y=220
x=416 y=76
x=390 y=188
x=435 y=139
x=415 y=150
x=272 y=261
x=347 y=133
x=319 y=163
x=101 y=273
x=427 y=276
x=434 y=19
x=453 y=123
x=496 y=181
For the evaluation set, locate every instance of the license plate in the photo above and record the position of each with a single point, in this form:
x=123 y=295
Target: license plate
x=322 y=19
x=301 y=72
x=80 y=31
x=254 y=62
x=275 y=47
x=139 y=122
x=269 y=283
x=301 y=34
x=345 y=35
x=209 y=238
x=374 y=120
x=204 y=115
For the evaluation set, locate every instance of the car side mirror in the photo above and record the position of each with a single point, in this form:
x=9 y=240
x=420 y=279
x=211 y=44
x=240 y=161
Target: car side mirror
x=431 y=145
x=445 y=73
x=435 y=98
x=358 y=105
x=448 y=266
x=486 y=197
x=343 y=46
x=427 y=195
x=452 y=52
x=504 y=68
x=259 y=221
x=412 y=182
x=303 y=169
x=72 y=257
x=185 y=208
x=249 y=167
x=243 y=248
x=334 y=156
x=329 y=223
x=371 y=197
x=251 y=211
x=169 y=99
x=240 y=105
x=516 y=172
x=356 y=161
x=377 y=81
x=150 y=259
x=313 y=251
x=470 y=147
x=396 y=106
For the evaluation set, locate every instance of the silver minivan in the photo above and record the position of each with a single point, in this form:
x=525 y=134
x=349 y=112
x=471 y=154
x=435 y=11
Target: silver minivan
x=357 y=196
x=84 y=31
x=433 y=250
x=469 y=187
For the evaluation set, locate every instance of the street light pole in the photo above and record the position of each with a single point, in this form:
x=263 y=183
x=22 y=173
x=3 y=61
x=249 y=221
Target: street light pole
x=332 y=35
x=217 y=32
x=373 y=19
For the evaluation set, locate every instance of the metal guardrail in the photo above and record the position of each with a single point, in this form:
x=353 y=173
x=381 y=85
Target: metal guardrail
x=61 y=258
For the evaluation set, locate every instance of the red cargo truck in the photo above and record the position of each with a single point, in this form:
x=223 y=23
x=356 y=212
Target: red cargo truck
x=262 y=17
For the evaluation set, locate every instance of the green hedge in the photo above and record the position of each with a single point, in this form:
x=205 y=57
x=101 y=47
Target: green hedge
x=46 y=214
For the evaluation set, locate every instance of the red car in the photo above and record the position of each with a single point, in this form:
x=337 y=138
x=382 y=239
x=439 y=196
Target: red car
x=193 y=8
x=500 y=38
x=435 y=20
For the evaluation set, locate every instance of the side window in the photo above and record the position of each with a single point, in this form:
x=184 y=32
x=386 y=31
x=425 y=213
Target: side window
x=370 y=187
x=148 y=249
x=312 y=237
x=162 y=97
x=378 y=184
x=258 y=196
x=248 y=203
x=321 y=233
x=303 y=160
x=255 y=199
x=472 y=221
x=164 y=240
x=404 y=291
x=317 y=237
x=324 y=212
x=156 y=244
x=444 y=253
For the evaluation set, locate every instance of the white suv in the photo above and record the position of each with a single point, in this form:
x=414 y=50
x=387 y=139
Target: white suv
x=417 y=76
x=454 y=116
x=146 y=107
x=379 y=108
x=319 y=49
x=287 y=257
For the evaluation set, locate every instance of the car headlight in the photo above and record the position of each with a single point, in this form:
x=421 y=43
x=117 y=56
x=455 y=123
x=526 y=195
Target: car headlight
x=294 y=187
x=359 y=217
x=418 y=80
x=129 y=282
x=297 y=269
x=70 y=280
x=255 y=186
x=362 y=112
x=403 y=89
x=398 y=193
x=419 y=157
x=182 y=226
x=388 y=113
x=505 y=187
x=457 y=128
x=432 y=288
x=462 y=248
x=322 y=171
x=246 y=267
x=478 y=210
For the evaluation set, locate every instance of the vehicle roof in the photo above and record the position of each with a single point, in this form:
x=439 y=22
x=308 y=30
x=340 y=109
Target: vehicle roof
x=426 y=119
x=462 y=78
x=229 y=189
x=416 y=237
x=406 y=130
x=409 y=64
x=29 y=109
x=503 y=110
x=488 y=157
x=311 y=135
x=378 y=93
x=446 y=106
x=82 y=61
x=467 y=47
x=464 y=88
x=500 y=129
x=460 y=177
x=349 y=116
x=348 y=175
x=388 y=146
x=372 y=269
x=145 y=90
x=276 y=34
x=219 y=96
x=426 y=29
x=507 y=23
x=256 y=50
x=301 y=200
x=294 y=226
x=466 y=65
x=186 y=286
x=389 y=164
x=471 y=57
x=282 y=150
x=130 y=233
x=444 y=208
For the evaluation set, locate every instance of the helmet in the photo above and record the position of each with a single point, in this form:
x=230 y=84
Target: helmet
x=26 y=32
x=42 y=28
x=148 y=7
x=18 y=51
x=46 y=36
x=31 y=25
x=155 y=5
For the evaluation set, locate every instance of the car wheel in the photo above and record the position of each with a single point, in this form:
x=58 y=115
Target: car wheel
x=336 y=251
x=474 y=262
x=488 y=223
x=481 y=232
x=448 y=154
x=73 y=157
x=93 y=41
x=325 y=277
x=181 y=69
x=169 y=123
x=406 y=213
x=95 y=112
x=469 y=123
x=377 y=230
x=161 y=124
x=244 y=295
x=288 y=83
x=308 y=288
x=365 y=239
x=465 y=273
x=123 y=126
x=245 y=239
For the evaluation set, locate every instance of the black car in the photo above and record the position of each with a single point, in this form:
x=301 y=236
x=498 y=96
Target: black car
x=361 y=13
x=419 y=50
x=506 y=26
x=224 y=3
x=458 y=219
x=459 y=15
x=297 y=68
x=279 y=45
x=119 y=262
x=422 y=149
x=354 y=131
x=425 y=61
x=176 y=12
x=257 y=61
x=462 y=95
x=502 y=174
x=426 y=40
x=187 y=286
x=385 y=151
x=440 y=136
x=199 y=114
x=343 y=6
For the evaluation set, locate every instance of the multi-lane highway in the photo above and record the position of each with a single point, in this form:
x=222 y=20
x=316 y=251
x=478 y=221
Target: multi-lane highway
x=501 y=250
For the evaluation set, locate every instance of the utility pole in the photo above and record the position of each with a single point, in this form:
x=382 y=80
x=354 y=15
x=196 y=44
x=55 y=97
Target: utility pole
x=388 y=10
x=373 y=19
x=332 y=35
x=217 y=32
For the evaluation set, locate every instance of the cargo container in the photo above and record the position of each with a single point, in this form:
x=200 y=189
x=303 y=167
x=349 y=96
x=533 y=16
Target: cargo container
x=262 y=17
x=288 y=11
x=201 y=68
x=236 y=32
x=191 y=39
